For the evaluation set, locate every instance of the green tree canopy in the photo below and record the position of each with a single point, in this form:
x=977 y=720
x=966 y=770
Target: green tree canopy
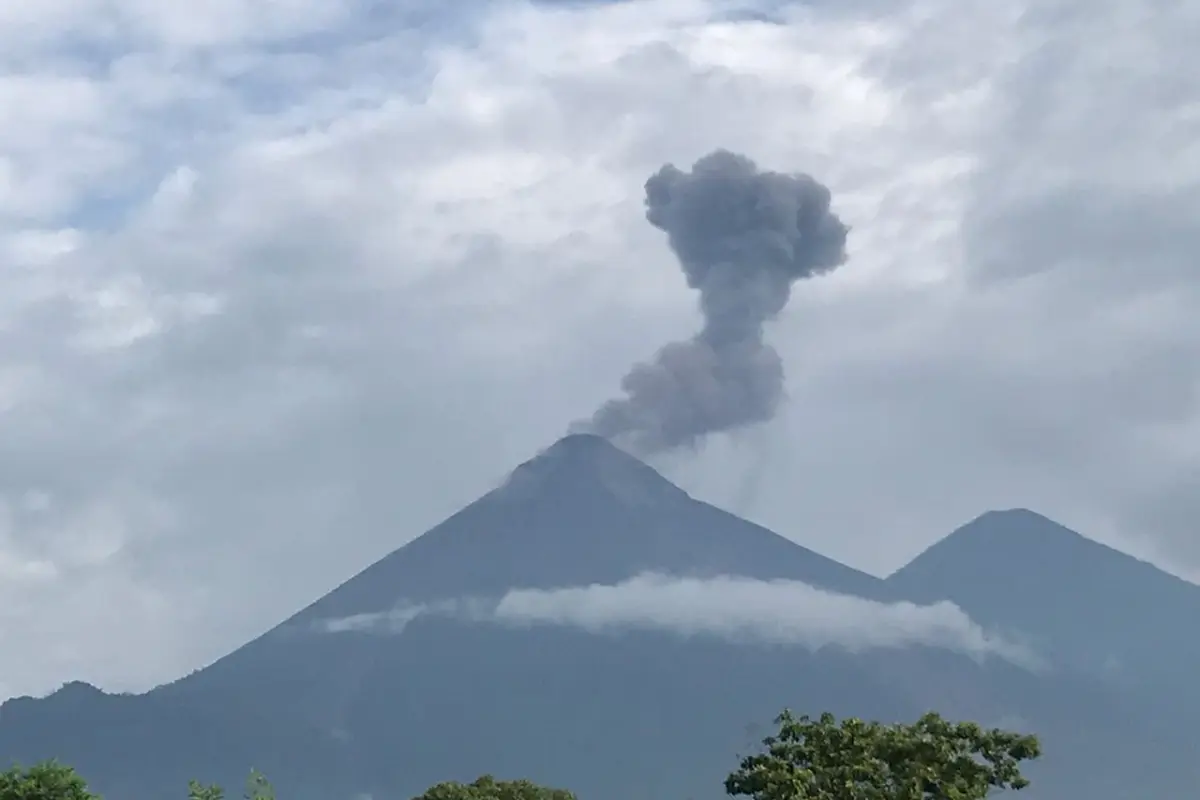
x=48 y=780
x=200 y=791
x=807 y=759
x=931 y=759
x=257 y=788
x=488 y=788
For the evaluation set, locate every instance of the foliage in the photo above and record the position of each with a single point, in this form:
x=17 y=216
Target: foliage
x=484 y=788
x=807 y=759
x=931 y=759
x=200 y=791
x=488 y=788
x=48 y=780
x=258 y=787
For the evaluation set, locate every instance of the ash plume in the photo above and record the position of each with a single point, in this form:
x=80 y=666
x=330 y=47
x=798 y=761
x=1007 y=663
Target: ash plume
x=743 y=237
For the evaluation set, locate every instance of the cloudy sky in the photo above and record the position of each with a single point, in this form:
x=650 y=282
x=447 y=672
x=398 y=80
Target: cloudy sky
x=285 y=282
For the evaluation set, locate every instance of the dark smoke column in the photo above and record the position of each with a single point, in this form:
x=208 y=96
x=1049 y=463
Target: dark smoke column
x=743 y=237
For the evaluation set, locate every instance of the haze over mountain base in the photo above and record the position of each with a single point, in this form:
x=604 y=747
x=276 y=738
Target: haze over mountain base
x=590 y=625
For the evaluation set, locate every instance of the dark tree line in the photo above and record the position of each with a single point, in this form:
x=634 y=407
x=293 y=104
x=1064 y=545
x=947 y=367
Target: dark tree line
x=806 y=759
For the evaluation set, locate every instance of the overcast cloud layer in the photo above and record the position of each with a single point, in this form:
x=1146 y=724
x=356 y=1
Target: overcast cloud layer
x=283 y=284
x=728 y=607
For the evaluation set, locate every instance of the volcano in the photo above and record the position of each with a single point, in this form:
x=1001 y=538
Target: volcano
x=344 y=711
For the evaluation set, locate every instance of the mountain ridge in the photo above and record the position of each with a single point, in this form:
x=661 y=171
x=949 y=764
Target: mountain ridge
x=387 y=713
x=576 y=477
x=1035 y=529
x=580 y=512
x=1097 y=608
x=588 y=457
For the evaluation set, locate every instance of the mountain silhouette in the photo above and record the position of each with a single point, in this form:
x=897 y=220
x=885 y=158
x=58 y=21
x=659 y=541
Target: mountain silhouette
x=583 y=512
x=1088 y=606
x=346 y=711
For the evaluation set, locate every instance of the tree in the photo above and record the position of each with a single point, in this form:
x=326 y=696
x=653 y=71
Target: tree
x=488 y=788
x=48 y=780
x=257 y=788
x=200 y=791
x=931 y=759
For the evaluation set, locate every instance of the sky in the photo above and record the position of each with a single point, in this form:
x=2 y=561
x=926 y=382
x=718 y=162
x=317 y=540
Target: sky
x=283 y=283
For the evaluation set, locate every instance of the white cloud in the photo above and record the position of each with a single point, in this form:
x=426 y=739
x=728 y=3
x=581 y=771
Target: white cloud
x=306 y=281
x=733 y=608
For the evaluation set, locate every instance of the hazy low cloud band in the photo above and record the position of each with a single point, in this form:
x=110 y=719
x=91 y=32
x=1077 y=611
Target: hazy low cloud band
x=728 y=607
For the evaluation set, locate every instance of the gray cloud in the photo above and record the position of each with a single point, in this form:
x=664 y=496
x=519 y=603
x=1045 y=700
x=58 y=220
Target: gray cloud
x=727 y=607
x=743 y=237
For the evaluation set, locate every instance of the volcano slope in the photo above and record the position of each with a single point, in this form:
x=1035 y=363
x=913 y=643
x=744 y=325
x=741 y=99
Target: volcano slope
x=427 y=666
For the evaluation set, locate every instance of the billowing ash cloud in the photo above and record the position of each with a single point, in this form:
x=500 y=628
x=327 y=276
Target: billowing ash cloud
x=736 y=609
x=742 y=237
